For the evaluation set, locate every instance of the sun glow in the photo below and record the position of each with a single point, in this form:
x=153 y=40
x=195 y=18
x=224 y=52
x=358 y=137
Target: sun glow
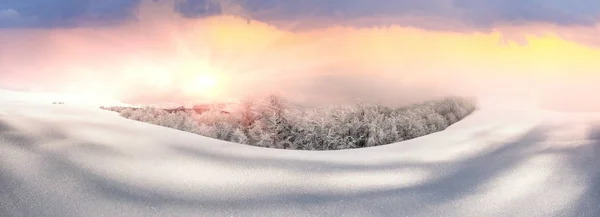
x=205 y=85
x=225 y=57
x=206 y=81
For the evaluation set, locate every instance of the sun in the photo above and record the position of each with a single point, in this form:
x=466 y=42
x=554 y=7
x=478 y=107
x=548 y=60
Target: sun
x=206 y=82
x=203 y=85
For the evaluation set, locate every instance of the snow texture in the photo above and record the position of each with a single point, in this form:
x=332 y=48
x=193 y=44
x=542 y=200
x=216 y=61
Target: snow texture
x=66 y=160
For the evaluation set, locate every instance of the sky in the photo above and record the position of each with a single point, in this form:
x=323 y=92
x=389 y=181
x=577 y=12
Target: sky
x=393 y=52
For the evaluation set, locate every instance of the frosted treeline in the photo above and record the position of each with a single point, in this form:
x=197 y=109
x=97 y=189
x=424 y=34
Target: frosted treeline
x=272 y=123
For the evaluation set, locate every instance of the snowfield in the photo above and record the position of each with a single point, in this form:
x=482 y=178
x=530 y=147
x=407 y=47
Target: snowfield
x=65 y=160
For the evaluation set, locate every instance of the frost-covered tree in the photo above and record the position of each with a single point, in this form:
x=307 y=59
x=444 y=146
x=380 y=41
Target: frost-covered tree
x=273 y=123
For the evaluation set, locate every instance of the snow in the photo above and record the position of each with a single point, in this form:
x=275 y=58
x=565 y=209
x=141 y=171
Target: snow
x=88 y=99
x=69 y=160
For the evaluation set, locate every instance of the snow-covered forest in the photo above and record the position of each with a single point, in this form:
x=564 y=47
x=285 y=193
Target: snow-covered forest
x=272 y=122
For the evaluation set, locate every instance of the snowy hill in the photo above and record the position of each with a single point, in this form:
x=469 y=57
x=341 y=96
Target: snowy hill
x=64 y=160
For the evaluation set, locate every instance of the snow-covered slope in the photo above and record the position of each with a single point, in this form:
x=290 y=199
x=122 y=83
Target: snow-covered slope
x=62 y=160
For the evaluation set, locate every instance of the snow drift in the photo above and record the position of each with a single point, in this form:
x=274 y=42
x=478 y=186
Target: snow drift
x=64 y=160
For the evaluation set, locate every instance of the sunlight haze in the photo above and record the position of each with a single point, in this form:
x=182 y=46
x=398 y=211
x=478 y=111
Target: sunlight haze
x=163 y=56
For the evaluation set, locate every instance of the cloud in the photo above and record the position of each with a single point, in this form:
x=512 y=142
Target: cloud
x=491 y=12
x=150 y=58
x=307 y=14
x=67 y=13
x=9 y=15
x=479 y=14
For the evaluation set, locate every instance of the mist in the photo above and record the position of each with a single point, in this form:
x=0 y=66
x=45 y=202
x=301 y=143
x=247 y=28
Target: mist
x=154 y=59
